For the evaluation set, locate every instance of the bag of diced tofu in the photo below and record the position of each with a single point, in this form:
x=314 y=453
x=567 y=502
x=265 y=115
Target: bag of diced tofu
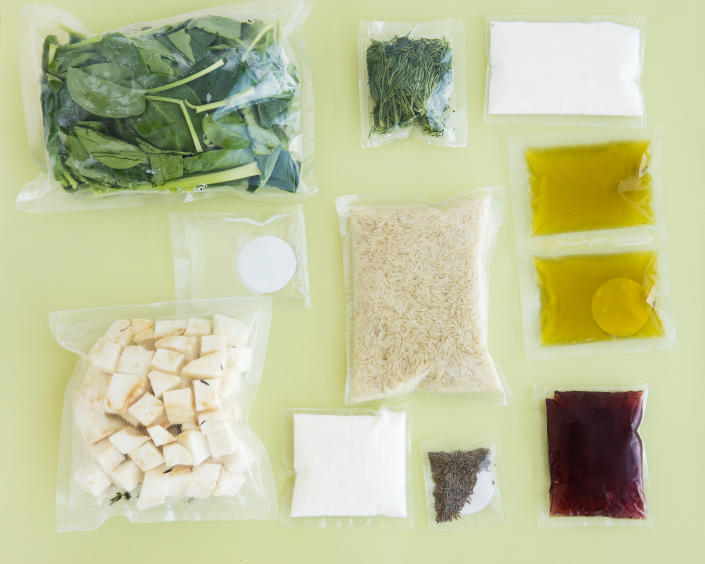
x=155 y=418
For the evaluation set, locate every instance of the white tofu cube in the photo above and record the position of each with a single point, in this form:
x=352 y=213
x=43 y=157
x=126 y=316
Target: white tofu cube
x=128 y=439
x=205 y=394
x=189 y=426
x=187 y=346
x=124 y=390
x=196 y=444
x=129 y=419
x=106 y=455
x=213 y=421
x=179 y=406
x=167 y=361
x=160 y=436
x=126 y=476
x=146 y=409
x=89 y=415
x=240 y=461
x=169 y=328
x=236 y=331
x=119 y=332
x=221 y=443
x=147 y=456
x=143 y=330
x=197 y=328
x=134 y=359
x=228 y=484
x=179 y=479
x=154 y=488
x=91 y=478
x=176 y=454
x=105 y=355
x=210 y=366
x=231 y=384
x=212 y=344
x=203 y=481
x=240 y=359
x=162 y=382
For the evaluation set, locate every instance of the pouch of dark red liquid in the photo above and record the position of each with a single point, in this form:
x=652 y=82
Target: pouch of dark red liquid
x=595 y=454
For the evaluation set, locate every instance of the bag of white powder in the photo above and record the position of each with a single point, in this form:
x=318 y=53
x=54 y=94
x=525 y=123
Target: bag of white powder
x=350 y=468
x=587 y=72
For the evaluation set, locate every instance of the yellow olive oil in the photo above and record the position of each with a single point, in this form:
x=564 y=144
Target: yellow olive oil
x=590 y=187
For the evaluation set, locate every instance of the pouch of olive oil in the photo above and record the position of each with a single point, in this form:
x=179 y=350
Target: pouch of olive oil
x=590 y=243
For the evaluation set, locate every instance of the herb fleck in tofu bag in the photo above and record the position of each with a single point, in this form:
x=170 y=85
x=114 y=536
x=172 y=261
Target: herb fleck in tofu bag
x=201 y=103
x=155 y=415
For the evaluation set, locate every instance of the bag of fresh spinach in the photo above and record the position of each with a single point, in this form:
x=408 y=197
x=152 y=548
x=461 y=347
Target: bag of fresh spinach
x=216 y=101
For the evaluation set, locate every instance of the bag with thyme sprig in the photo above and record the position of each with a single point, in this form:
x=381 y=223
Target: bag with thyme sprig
x=412 y=82
x=203 y=102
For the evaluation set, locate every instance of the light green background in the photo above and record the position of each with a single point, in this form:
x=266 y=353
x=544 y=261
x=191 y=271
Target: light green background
x=52 y=262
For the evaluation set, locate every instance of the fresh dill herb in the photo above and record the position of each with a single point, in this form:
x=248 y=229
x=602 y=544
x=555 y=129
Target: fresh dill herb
x=410 y=82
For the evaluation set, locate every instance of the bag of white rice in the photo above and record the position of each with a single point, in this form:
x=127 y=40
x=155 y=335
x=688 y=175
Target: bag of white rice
x=417 y=287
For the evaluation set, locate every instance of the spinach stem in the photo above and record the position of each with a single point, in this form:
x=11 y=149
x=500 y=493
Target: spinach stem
x=238 y=173
x=220 y=103
x=219 y=63
x=256 y=40
x=89 y=41
x=189 y=124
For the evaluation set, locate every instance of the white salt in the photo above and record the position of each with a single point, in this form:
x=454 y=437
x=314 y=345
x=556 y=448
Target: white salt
x=568 y=68
x=349 y=465
x=267 y=264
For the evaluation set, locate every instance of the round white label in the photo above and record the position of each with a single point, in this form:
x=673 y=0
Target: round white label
x=266 y=264
x=482 y=494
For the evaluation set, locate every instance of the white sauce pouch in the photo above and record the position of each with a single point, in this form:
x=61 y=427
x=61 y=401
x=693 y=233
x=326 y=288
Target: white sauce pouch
x=153 y=434
x=221 y=254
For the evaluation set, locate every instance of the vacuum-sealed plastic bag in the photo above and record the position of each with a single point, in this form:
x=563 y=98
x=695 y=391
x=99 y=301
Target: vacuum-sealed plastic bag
x=155 y=419
x=412 y=82
x=417 y=290
x=348 y=467
x=214 y=101
x=591 y=234
x=219 y=254
x=594 y=78
x=593 y=469
x=462 y=484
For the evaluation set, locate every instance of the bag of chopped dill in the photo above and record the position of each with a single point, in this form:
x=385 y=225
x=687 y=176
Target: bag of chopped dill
x=461 y=484
x=412 y=82
x=417 y=287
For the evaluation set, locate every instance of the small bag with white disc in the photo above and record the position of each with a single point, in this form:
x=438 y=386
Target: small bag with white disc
x=221 y=254
x=461 y=481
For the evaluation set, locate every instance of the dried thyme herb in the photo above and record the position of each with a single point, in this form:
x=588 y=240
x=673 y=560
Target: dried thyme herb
x=454 y=476
x=409 y=82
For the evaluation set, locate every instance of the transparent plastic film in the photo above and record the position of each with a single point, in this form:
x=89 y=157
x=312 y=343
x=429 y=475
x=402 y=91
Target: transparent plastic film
x=155 y=420
x=203 y=103
x=412 y=82
x=218 y=254
x=462 y=482
x=593 y=469
x=417 y=289
x=347 y=468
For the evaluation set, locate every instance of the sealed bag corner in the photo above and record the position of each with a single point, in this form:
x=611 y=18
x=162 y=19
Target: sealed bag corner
x=217 y=101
